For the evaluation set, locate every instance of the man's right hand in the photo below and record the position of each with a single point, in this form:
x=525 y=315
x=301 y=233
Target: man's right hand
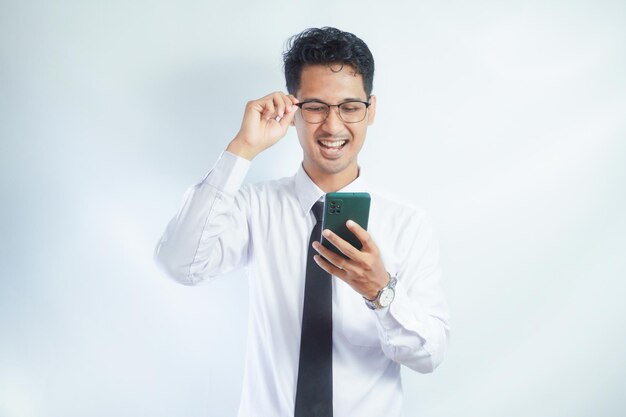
x=265 y=122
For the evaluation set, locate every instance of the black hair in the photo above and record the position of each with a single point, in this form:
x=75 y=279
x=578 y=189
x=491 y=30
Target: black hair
x=327 y=46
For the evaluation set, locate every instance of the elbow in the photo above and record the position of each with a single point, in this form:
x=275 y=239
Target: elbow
x=424 y=359
x=174 y=270
x=429 y=366
x=425 y=364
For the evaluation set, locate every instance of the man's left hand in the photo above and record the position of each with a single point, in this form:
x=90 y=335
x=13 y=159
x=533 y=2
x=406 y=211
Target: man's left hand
x=363 y=270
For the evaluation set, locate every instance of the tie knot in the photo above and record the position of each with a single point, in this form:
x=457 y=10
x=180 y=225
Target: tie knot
x=317 y=210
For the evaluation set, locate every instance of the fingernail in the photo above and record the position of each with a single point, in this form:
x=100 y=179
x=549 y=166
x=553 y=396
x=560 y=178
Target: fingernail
x=350 y=223
x=326 y=232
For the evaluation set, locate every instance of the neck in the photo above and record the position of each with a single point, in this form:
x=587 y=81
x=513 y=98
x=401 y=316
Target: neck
x=330 y=183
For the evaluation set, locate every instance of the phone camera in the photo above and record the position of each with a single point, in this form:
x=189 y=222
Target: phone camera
x=335 y=207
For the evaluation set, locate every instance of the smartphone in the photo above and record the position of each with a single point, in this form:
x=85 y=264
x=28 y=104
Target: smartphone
x=338 y=209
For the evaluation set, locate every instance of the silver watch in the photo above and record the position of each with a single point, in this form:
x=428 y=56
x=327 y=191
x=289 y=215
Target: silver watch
x=384 y=297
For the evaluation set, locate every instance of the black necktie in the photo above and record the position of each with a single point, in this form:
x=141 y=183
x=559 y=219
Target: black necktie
x=314 y=392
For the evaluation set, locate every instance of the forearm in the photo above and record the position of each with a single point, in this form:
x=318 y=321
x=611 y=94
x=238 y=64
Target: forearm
x=414 y=329
x=413 y=336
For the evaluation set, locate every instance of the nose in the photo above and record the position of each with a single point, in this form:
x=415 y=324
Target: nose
x=333 y=122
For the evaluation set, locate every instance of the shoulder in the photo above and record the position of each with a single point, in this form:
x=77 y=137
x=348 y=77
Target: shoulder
x=403 y=221
x=395 y=206
x=274 y=186
x=268 y=192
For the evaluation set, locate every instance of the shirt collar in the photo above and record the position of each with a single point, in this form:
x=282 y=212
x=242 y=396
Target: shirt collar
x=308 y=192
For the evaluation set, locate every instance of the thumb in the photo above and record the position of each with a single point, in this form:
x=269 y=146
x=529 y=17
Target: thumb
x=287 y=118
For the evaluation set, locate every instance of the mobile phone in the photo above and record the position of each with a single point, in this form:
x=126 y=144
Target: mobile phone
x=338 y=209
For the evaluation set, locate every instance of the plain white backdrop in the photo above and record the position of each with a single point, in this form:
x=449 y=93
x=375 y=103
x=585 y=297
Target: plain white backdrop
x=505 y=120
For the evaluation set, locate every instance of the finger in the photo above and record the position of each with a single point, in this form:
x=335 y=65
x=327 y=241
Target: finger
x=345 y=248
x=294 y=108
x=339 y=261
x=287 y=101
x=293 y=99
x=361 y=234
x=270 y=110
x=286 y=120
x=279 y=104
x=330 y=268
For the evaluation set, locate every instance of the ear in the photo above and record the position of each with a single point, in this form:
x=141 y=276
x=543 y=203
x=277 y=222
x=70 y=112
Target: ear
x=371 y=111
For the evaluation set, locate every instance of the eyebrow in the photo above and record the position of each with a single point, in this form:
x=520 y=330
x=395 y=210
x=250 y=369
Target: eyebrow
x=341 y=101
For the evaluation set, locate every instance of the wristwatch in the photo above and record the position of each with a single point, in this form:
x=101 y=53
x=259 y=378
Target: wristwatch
x=384 y=297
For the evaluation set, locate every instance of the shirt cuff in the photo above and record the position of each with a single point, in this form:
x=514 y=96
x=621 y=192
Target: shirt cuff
x=228 y=173
x=401 y=314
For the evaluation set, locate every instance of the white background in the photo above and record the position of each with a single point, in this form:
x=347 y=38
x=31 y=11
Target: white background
x=505 y=120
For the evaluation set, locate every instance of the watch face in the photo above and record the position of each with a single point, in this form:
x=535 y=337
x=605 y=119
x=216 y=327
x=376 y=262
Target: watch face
x=386 y=297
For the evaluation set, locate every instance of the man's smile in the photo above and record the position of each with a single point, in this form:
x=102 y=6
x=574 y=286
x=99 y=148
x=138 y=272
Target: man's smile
x=332 y=148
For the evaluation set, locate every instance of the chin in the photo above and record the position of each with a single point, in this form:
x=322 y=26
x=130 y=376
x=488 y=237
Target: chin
x=333 y=167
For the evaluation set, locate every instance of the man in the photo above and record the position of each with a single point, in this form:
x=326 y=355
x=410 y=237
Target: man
x=327 y=334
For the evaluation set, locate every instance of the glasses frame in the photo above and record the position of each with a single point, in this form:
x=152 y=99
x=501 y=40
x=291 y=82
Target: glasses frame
x=367 y=105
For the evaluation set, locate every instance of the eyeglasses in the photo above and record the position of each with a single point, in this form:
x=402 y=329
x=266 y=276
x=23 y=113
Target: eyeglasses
x=315 y=111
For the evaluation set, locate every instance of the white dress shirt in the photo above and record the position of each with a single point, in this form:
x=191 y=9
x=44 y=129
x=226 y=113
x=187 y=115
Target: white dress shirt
x=223 y=225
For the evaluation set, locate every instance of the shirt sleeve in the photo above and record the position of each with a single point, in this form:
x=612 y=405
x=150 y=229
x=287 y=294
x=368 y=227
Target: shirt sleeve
x=414 y=329
x=209 y=234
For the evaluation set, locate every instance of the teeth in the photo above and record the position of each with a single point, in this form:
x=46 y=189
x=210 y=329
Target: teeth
x=335 y=144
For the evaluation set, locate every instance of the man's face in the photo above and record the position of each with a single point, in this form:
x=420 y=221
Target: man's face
x=322 y=156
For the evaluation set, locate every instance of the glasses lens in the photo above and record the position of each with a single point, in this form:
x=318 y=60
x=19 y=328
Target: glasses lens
x=314 y=112
x=352 y=111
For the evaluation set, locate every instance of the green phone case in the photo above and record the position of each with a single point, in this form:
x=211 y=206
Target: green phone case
x=338 y=209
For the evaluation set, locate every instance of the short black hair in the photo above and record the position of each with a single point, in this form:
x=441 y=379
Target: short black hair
x=326 y=46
